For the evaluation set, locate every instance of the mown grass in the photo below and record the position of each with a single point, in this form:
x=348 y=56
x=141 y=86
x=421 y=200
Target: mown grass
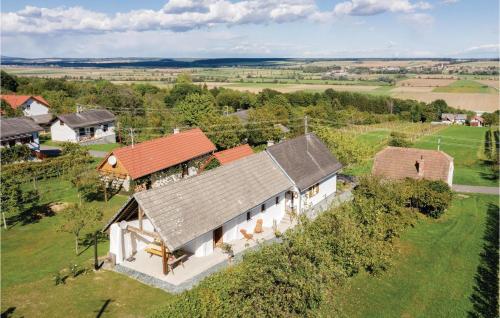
x=440 y=271
x=32 y=251
x=103 y=147
x=466 y=145
x=465 y=86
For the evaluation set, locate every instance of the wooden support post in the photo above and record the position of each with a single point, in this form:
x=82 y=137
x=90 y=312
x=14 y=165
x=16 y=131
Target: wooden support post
x=140 y=212
x=96 y=260
x=164 y=258
x=105 y=192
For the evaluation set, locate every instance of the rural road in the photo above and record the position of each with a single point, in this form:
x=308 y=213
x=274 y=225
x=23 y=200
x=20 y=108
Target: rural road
x=475 y=189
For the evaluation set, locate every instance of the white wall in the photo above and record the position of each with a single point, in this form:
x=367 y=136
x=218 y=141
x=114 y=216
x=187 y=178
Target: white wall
x=326 y=188
x=124 y=243
x=203 y=245
x=65 y=133
x=450 y=174
x=35 y=108
x=62 y=132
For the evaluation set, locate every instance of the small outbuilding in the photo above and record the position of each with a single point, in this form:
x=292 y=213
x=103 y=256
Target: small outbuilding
x=91 y=126
x=158 y=161
x=400 y=163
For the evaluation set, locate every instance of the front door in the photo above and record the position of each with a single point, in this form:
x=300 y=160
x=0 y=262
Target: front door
x=218 y=237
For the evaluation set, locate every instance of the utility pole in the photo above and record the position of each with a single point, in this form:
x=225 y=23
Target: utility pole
x=132 y=136
x=226 y=112
x=439 y=143
x=119 y=135
x=305 y=125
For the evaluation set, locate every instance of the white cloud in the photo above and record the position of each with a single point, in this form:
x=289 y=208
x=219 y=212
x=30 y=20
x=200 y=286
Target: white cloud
x=418 y=20
x=372 y=7
x=176 y=15
x=485 y=48
x=449 y=1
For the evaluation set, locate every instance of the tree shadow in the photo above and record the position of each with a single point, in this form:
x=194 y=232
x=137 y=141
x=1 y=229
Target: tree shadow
x=88 y=241
x=8 y=312
x=485 y=295
x=31 y=215
x=102 y=310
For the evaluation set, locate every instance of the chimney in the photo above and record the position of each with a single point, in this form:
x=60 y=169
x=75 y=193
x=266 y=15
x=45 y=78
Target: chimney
x=420 y=166
x=176 y=131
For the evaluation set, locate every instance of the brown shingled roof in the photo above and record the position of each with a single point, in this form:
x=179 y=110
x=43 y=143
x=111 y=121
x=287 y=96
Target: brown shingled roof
x=230 y=155
x=161 y=153
x=400 y=163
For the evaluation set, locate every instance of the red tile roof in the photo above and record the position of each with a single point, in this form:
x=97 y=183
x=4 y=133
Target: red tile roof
x=17 y=100
x=161 y=153
x=230 y=155
x=400 y=163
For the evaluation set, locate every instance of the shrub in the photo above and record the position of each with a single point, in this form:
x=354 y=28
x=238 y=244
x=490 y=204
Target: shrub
x=15 y=153
x=431 y=198
x=399 y=140
x=59 y=279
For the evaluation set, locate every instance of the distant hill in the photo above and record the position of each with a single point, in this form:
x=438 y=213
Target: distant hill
x=144 y=62
x=187 y=62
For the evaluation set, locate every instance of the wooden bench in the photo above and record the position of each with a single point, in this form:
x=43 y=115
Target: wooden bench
x=172 y=261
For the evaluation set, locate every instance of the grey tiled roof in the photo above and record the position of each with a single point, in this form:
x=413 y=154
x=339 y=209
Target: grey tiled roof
x=87 y=118
x=305 y=159
x=42 y=119
x=182 y=211
x=17 y=126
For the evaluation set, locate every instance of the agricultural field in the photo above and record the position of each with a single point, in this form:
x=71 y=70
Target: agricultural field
x=34 y=250
x=465 y=86
x=470 y=92
x=466 y=145
x=444 y=268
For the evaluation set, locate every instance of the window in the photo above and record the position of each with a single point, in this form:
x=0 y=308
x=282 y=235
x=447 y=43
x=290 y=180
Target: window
x=248 y=216
x=105 y=127
x=312 y=191
x=263 y=208
x=81 y=131
x=277 y=200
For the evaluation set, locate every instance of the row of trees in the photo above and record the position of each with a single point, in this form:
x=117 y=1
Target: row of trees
x=292 y=278
x=155 y=111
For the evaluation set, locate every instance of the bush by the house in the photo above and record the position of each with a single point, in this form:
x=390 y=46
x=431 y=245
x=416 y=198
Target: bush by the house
x=15 y=153
x=399 y=139
x=431 y=198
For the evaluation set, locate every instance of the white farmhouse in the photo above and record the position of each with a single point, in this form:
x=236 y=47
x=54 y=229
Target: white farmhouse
x=91 y=126
x=236 y=203
x=28 y=104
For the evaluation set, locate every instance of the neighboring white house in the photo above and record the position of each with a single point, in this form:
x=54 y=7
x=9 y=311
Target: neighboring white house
x=29 y=105
x=457 y=119
x=19 y=131
x=310 y=166
x=97 y=125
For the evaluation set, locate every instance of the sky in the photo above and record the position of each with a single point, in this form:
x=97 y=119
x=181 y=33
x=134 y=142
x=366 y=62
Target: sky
x=250 y=28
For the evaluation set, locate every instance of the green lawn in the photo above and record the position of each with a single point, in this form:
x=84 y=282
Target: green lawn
x=465 y=86
x=33 y=251
x=465 y=145
x=437 y=270
x=103 y=147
